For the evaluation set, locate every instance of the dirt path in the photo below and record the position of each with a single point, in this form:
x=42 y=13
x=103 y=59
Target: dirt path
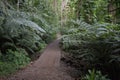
x=47 y=67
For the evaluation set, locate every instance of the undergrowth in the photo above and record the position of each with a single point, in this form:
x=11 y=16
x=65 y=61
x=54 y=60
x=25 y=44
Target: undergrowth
x=12 y=61
x=26 y=27
x=93 y=46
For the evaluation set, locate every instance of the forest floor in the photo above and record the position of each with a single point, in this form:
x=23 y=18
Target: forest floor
x=46 y=67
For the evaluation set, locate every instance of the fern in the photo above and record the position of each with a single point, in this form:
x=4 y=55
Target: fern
x=96 y=45
x=23 y=22
x=28 y=25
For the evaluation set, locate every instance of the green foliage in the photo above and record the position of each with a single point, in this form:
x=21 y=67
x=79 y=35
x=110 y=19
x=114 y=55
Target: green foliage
x=26 y=26
x=94 y=40
x=13 y=61
x=94 y=75
x=22 y=36
x=93 y=11
x=6 y=68
x=97 y=46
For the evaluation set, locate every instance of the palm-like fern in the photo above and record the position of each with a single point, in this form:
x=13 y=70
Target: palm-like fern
x=19 y=29
x=95 y=45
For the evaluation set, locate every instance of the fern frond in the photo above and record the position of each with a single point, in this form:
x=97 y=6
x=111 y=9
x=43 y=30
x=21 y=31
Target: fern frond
x=25 y=23
x=29 y=24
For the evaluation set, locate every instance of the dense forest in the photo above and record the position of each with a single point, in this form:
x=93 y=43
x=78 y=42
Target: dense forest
x=89 y=29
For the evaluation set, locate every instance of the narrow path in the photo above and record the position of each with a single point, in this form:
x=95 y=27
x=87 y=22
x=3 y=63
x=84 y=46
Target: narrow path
x=47 y=67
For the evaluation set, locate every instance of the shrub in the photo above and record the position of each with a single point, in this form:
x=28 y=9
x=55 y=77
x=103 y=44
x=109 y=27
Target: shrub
x=95 y=46
x=13 y=61
x=7 y=68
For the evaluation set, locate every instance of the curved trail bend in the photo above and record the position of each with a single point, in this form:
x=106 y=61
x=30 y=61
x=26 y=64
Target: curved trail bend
x=47 y=67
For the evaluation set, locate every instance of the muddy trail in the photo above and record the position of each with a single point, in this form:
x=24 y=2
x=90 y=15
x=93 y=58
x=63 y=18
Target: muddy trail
x=47 y=67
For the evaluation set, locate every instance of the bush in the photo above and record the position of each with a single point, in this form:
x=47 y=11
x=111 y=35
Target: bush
x=94 y=46
x=13 y=61
x=30 y=27
x=7 y=68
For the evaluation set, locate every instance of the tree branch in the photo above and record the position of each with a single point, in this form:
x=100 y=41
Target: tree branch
x=114 y=9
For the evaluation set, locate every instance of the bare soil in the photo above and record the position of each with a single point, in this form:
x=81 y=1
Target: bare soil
x=47 y=67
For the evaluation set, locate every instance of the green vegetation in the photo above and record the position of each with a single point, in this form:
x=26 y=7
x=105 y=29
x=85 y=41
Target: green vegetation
x=13 y=60
x=26 y=26
x=91 y=39
x=94 y=75
x=90 y=29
